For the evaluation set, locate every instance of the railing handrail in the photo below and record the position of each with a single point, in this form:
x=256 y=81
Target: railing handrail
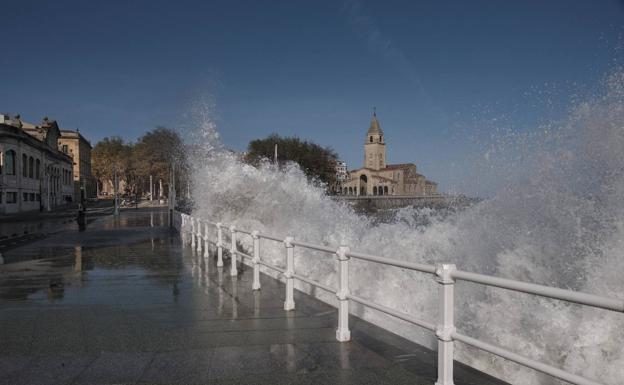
x=542 y=290
x=488 y=280
x=446 y=276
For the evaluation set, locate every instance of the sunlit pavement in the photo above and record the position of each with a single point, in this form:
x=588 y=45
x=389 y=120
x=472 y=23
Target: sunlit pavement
x=122 y=302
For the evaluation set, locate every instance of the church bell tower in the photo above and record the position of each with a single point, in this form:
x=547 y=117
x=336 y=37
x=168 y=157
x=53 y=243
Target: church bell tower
x=374 y=146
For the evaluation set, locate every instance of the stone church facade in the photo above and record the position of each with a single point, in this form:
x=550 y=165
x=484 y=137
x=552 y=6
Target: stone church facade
x=377 y=177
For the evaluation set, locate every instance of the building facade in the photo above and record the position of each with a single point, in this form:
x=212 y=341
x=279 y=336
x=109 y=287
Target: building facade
x=377 y=177
x=76 y=146
x=34 y=174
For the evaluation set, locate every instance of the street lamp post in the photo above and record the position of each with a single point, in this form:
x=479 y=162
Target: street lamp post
x=49 y=183
x=115 y=198
x=172 y=194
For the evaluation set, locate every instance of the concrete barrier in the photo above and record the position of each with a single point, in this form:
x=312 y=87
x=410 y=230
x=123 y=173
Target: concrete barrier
x=376 y=202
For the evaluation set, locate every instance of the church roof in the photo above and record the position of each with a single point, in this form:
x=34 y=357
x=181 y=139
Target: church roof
x=400 y=166
x=374 y=128
x=383 y=178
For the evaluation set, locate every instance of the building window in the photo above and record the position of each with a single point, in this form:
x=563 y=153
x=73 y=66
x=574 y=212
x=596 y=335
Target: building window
x=25 y=197
x=9 y=163
x=11 y=197
x=38 y=169
x=65 y=148
x=371 y=139
x=385 y=190
x=24 y=166
x=38 y=197
x=32 y=197
x=31 y=167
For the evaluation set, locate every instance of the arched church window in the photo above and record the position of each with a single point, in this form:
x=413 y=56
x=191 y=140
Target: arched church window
x=374 y=190
x=371 y=139
x=385 y=190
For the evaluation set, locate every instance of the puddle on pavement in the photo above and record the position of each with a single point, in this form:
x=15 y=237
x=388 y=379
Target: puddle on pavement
x=66 y=270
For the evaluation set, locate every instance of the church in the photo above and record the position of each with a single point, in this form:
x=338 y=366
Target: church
x=379 y=178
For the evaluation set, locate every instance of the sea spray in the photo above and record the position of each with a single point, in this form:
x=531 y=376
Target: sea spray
x=560 y=224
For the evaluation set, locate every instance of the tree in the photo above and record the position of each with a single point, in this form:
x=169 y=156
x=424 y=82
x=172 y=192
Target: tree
x=111 y=154
x=316 y=162
x=155 y=153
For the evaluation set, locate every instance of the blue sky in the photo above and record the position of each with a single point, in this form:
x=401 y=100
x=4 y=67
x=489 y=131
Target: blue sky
x=444 y=75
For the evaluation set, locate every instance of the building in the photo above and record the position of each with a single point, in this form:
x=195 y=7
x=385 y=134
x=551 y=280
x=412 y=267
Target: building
x=341 y=171
x=75 y=145
x=34 y=174
x=379 y=178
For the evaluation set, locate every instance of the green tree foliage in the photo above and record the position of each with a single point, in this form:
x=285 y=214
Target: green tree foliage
x=153 y=154
x=156 y=151
x=111 y=154
x=316 y=162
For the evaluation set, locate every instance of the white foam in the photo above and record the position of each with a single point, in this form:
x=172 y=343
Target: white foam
x=563 y=225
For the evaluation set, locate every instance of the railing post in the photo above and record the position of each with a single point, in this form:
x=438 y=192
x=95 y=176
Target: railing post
x=289 y=303
x=199 y=235
x=192 y=232
x=219 y=245
x=189 y=225
x=256 y=259
x=233 y=252
x=446 y=323
x=342 y=333
x=206 y=243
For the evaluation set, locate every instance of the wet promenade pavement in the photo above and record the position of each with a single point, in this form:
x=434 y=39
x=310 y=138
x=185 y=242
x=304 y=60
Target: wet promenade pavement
x=123 y=302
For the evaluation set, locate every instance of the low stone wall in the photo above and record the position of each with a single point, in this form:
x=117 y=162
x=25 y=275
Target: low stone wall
x=372 y=203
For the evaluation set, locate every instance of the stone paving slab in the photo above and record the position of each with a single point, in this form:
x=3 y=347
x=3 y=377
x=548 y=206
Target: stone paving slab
x=83 y=308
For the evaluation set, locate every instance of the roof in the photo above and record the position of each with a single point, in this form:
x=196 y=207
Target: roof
x=383 y=178
x=35 y=132
x=71 y=134
x=400 y=166
x=374 y=128
x=8 y=130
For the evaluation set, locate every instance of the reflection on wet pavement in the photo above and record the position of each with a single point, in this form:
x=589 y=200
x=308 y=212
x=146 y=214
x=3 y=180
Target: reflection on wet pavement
x=125 y=302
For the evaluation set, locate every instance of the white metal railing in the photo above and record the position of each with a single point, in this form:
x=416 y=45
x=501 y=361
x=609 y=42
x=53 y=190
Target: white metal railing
x=445 y=275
